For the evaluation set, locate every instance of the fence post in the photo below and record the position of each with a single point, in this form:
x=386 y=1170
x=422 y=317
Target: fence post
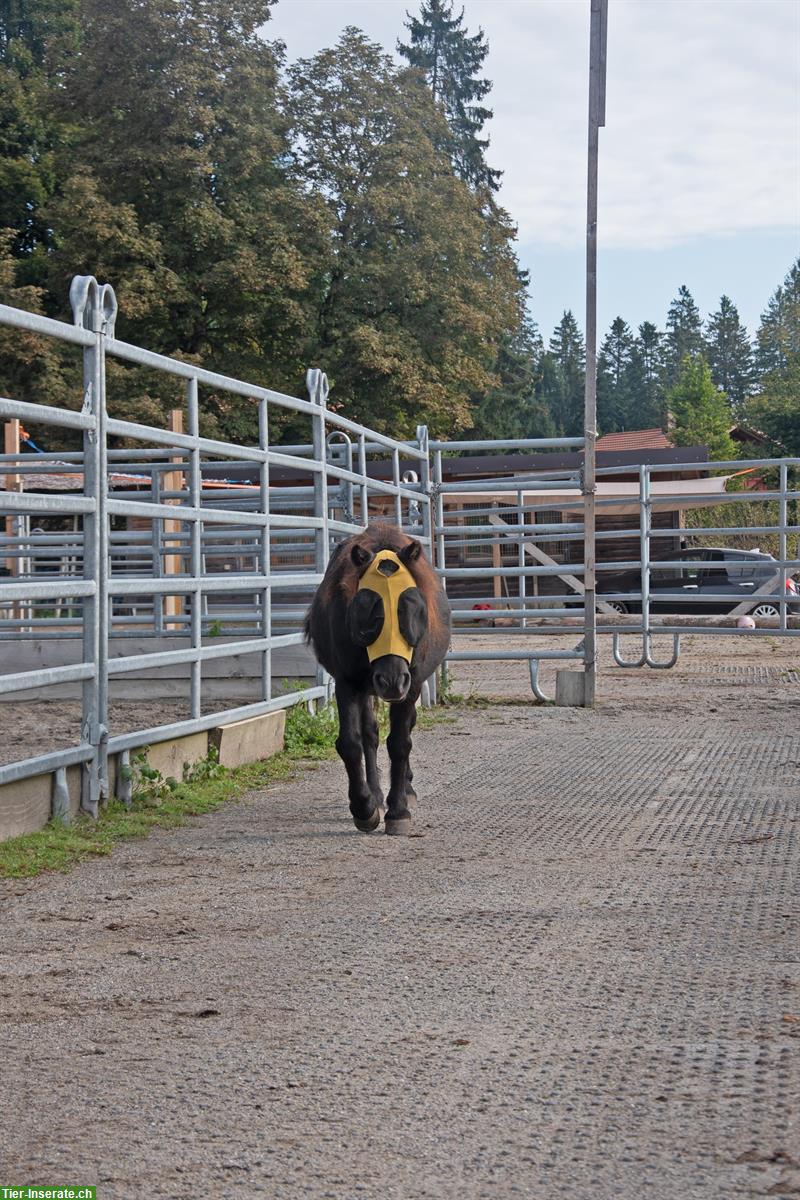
x=196 y=548
x=783 y=518
x=440 y=556
x=94 y=307
x=426 y=501
x=264 y=556
x=13 y=483
x=597 y=119
x=317 y=384
x=173 y=482
x=423 y=438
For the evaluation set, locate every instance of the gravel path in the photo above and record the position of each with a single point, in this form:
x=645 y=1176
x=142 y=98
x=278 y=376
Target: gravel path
x=581 y=978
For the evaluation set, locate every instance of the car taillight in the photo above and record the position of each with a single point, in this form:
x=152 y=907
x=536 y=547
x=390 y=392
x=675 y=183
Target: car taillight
x=791 y=586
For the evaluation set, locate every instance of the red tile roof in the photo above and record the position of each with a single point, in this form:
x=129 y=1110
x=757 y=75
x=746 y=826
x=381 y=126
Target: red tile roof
x=635 y=439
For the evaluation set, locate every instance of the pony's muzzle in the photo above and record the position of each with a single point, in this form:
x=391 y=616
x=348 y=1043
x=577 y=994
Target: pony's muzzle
x=391 y=678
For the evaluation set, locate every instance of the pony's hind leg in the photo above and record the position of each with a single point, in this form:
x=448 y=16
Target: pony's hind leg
x=365 y=811
x=369 y=741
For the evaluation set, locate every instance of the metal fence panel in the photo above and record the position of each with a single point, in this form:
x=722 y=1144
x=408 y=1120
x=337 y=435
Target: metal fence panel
x=160 y=545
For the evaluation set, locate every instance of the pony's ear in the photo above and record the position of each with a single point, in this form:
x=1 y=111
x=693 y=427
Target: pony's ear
x=410 y=553
x=361 y=556
x=365 y=617
x=412 y=615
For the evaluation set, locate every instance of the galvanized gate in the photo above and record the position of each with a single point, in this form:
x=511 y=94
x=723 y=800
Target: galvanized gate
x=284 y=532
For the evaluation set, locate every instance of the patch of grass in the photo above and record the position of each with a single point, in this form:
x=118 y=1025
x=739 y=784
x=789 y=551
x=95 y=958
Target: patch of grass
x=166 y=803
x=311 y=735
x=159 y=803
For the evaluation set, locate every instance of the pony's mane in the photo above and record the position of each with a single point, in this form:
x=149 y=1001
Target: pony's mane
x=343 y=574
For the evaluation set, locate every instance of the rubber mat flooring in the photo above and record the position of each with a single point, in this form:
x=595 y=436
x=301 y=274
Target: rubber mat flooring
x=581 y=978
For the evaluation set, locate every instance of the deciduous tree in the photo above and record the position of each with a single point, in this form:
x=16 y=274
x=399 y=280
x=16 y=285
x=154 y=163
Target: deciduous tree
x=417 y=291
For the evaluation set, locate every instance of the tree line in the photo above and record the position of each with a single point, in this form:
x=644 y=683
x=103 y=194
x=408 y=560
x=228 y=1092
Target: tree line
x=262 y=217
x=695 y=378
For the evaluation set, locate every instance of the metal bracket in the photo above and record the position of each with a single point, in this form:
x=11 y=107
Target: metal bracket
x=59 y=806
x=317 y=385
x=533 y=667
x=646 y=658
x=94 y=305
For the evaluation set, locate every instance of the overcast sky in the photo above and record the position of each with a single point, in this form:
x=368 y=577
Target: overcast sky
x=699 y=160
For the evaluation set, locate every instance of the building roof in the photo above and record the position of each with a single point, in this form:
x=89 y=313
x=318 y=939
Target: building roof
x=635 y=439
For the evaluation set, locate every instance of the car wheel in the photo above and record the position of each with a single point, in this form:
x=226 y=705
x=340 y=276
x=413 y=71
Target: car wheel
x=765 y=610
x=617 y=606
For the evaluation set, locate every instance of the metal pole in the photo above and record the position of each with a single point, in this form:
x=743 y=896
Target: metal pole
x=782 y=542
x=425 y=487
x=195 y=538
x=363 y=492
x=597 y=106
x=317 y=384
x=95 y=309
x=645 y=520
x=264 y=555
x=439 y=542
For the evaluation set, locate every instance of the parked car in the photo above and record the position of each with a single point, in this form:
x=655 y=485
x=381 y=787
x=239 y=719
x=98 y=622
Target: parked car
x=709 y=571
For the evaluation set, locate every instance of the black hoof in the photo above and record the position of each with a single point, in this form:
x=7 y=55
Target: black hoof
x=398 y=826
x=368 y=824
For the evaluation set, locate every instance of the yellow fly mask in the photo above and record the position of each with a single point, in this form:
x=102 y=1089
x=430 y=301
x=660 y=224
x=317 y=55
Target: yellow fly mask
x=387 y=614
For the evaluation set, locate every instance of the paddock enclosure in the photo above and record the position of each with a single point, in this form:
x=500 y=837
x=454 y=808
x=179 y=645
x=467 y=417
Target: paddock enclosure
x=164 y=571
x=579 y=977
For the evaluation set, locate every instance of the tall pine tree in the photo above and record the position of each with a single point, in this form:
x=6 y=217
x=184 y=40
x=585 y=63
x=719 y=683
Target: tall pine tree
x=614 y=399
x=776 y=408
x=513 y=408
x=646 y=378
x=684 y=334
x=778 y=335
x=564 y=377
x=451 y=60
x=730 y=354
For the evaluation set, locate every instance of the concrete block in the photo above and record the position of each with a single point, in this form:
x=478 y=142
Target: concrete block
x=169 y=757
x=570 y=689
x=25 y=806
x=249 y=740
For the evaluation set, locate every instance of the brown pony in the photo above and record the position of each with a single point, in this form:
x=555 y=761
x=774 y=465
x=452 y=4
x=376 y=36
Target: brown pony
x=348 y=624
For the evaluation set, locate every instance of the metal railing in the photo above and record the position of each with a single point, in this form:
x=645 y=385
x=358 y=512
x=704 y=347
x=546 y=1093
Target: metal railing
x=180 y=537
x=284 y=533
x=512 y=552
x=485 y=519
x=772 y=593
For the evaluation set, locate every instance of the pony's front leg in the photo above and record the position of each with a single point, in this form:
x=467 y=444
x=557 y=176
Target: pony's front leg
x=365 y=811
x=369 y=743
x=402 y=719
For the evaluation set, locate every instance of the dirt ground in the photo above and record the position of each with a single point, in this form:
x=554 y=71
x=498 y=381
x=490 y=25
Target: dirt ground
x=38 y=727
x=580 y=978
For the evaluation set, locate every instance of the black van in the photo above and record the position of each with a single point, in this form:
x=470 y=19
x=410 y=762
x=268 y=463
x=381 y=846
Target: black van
x=708 y=571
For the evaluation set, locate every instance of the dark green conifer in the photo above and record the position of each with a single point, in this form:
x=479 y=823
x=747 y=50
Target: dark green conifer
x=451 y=60
x=730 y=354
